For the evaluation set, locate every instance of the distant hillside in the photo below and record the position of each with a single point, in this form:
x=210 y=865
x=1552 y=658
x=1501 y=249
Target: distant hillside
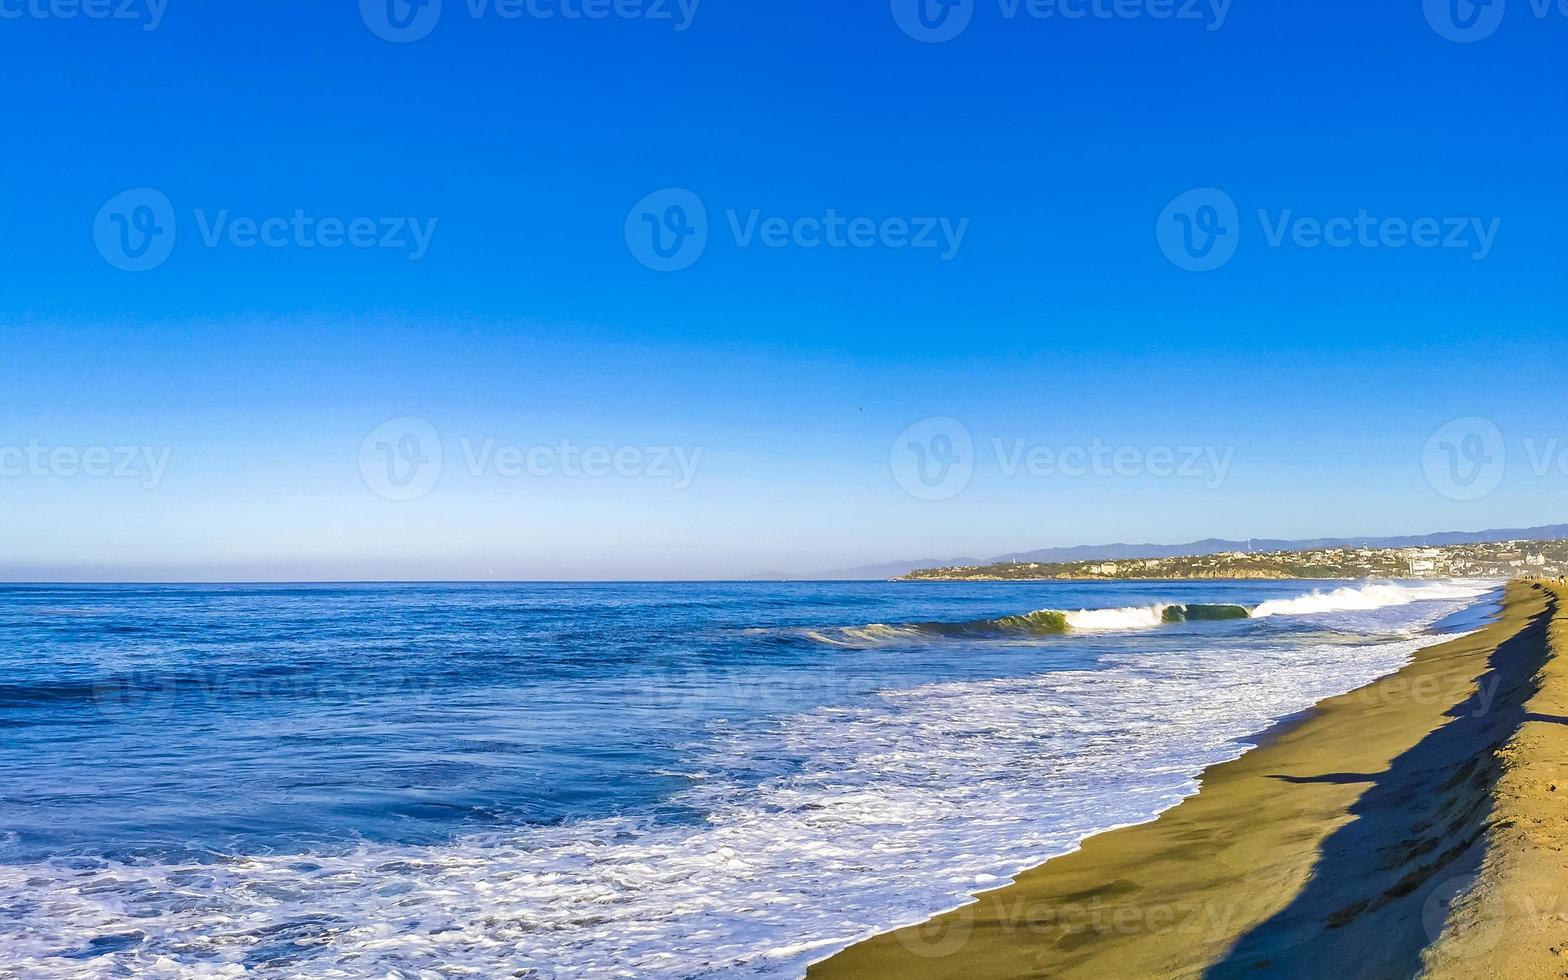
x=1486 y=559
x=1208 y=546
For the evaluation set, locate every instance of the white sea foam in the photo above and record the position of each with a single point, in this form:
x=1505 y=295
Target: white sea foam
x=1360 y=598
x=1365 y=597
x=1129 y=618
x=884 y=813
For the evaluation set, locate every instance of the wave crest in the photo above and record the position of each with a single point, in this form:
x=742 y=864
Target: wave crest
x=1041 y=622
x=1049 y=622
x=1357 y=599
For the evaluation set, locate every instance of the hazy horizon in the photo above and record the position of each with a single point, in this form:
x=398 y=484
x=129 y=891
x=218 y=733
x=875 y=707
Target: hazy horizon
x=12 y=574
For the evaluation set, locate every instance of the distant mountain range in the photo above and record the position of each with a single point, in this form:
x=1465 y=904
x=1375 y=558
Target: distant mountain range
x=1208 y=546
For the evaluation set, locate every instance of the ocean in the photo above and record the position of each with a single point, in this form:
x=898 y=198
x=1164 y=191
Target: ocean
x=609 y=780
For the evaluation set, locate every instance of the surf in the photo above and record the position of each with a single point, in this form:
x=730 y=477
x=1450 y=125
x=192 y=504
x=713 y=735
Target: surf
x=1366 y=597
x=1041 y=622
x=1060 y=622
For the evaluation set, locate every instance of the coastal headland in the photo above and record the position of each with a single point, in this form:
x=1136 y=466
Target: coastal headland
x=1486 y=559
x=1417 y=826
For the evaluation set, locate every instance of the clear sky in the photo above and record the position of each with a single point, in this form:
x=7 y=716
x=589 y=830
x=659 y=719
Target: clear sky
x=505 y=374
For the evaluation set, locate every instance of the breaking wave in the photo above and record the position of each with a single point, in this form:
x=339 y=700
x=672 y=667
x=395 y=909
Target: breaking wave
x=1044 y=622
x=1037 y=623
x=1376 y=596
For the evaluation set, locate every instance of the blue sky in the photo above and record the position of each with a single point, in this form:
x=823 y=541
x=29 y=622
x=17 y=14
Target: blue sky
x=243 y=391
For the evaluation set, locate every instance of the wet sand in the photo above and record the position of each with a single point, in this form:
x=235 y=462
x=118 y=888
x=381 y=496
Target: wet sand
x=1415 y=826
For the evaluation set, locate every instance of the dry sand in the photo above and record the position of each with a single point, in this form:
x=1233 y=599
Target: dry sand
x=1414 y=827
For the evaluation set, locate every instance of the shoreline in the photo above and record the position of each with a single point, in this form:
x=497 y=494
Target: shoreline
x=1332 y=847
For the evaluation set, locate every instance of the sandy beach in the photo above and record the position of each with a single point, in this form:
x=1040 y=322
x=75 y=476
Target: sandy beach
x=1412 y=827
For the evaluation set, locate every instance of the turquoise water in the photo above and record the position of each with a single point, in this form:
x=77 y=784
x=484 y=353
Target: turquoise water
x=672 y=780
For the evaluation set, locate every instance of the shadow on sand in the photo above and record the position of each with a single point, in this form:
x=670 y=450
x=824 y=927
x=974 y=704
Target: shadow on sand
x=1380 y=890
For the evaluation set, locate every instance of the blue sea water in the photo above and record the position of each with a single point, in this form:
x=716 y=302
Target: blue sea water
x=662 y=780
